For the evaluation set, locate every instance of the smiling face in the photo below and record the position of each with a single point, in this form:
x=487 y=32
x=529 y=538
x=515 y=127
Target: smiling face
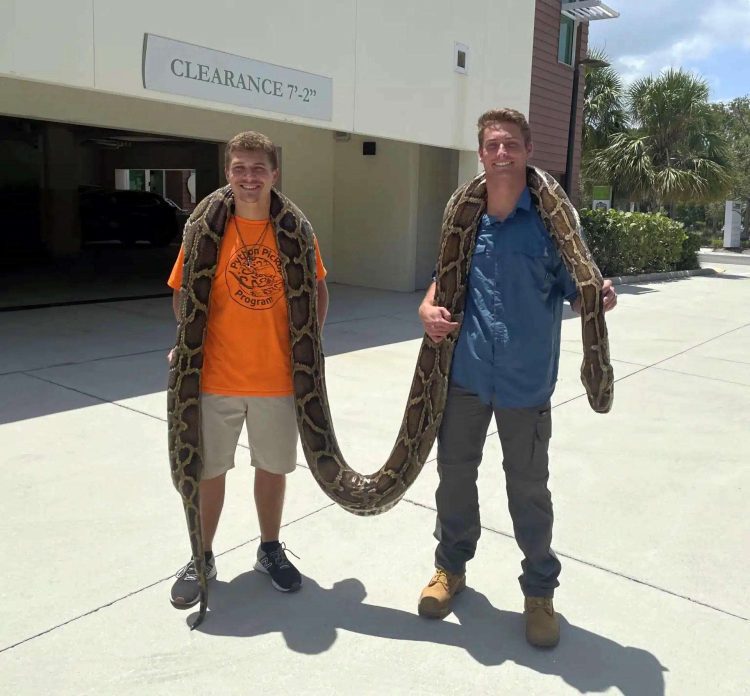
x=251 y=176
x=504 y=152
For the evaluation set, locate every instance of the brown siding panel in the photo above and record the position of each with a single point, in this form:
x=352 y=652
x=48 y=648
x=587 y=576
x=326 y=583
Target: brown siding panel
x=551 y=92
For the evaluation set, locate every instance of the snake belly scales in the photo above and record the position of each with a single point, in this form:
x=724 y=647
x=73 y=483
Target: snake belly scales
x=359 y=494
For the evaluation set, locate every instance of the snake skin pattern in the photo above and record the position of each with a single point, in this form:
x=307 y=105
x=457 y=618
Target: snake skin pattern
x=359 y=494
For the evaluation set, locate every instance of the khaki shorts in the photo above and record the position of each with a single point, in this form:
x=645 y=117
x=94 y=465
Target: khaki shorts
x=271 y=432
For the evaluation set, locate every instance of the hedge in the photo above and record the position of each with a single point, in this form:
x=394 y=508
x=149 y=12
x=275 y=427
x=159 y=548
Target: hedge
x=631 y=243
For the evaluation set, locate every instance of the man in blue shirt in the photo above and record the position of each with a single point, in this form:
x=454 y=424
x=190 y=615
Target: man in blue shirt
x=505 y=361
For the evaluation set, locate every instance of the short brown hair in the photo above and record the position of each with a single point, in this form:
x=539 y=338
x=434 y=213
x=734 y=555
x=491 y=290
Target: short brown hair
x=497 y=116
x=250 y=141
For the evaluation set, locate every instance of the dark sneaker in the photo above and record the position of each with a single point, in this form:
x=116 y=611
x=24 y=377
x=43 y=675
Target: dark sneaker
x=186 y=590
x=284 y=576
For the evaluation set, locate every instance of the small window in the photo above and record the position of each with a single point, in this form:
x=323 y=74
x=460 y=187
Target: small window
x=566 y=47
x=461 y=58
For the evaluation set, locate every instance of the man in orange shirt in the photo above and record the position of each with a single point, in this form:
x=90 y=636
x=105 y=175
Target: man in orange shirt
x=247 y=377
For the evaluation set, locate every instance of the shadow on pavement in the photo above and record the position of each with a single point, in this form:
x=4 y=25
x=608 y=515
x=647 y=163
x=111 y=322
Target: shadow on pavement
x=63 y=358
x=309 y=622
x=727 y=276
x=99 y=272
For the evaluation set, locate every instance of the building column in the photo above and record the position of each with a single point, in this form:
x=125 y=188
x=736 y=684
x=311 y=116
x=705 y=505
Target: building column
x=61 y=228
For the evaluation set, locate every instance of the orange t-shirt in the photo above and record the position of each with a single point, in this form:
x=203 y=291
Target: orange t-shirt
x=247 y=350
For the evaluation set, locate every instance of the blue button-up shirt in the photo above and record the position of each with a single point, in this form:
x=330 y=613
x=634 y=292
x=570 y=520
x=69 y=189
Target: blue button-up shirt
x=508 y=347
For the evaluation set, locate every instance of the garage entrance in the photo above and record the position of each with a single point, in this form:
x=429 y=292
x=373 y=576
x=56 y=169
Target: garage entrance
x=83 y=203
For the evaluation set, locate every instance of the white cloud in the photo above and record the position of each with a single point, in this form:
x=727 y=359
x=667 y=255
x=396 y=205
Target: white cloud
x=660 y=34
x=729 y=22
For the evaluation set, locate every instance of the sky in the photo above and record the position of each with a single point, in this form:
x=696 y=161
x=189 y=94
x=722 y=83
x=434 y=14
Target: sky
x=708 y=37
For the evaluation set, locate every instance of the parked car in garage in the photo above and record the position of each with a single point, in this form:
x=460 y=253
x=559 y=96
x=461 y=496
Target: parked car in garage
x=127 y=216
x=182 y=214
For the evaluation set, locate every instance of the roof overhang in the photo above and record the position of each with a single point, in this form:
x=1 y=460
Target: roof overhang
x=588 y=10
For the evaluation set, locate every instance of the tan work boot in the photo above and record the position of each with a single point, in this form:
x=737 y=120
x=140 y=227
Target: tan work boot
x=542 y=625
x=435 y=600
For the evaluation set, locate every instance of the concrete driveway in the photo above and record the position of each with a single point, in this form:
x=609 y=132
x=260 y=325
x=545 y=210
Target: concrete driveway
x=651 y=505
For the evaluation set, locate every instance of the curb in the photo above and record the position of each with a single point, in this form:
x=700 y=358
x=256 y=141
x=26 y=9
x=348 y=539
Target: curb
x=666 y=275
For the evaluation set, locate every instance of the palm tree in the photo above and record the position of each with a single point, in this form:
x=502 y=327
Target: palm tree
x=603 y=113
x=603 y=103
x=675 y=151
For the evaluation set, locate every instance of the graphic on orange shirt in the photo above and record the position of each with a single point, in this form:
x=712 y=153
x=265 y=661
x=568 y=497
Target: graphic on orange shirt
x=254 y=277
x=246 y=353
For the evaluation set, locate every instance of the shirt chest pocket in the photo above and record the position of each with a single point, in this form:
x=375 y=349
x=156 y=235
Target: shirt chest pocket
x=532 y=254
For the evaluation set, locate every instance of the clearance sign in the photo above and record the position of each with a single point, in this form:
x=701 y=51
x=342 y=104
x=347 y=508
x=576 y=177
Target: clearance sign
x=194 y=71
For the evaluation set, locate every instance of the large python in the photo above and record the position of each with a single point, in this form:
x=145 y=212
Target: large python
x=358 y=493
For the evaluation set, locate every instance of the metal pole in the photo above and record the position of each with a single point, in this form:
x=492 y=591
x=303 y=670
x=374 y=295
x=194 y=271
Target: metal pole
x=568 y=178
x=567 y=181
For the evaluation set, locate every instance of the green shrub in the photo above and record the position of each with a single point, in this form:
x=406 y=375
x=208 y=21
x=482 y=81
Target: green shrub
x=689 y=253
x=717 y=243
x=631 y=243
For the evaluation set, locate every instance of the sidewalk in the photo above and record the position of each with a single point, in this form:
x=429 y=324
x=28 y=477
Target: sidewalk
x=707 y=256
x=650 y=501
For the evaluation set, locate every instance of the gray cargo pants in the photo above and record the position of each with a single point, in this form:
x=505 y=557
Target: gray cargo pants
x=524 y=437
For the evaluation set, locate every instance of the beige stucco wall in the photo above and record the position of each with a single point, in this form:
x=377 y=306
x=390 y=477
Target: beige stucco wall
x=392 y=67
x=391 y=62
x=375 y=214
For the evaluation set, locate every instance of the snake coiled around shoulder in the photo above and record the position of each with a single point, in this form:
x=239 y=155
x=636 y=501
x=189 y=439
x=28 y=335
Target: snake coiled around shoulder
x=358 y=493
